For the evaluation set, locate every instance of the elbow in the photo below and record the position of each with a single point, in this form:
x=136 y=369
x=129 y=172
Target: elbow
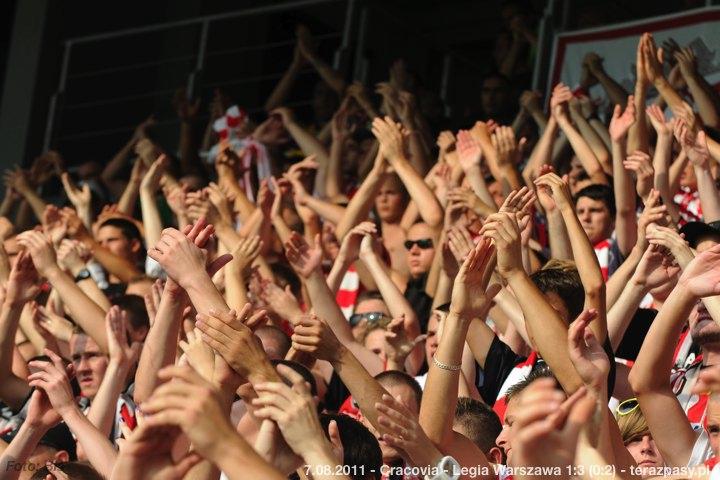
x=434 y=218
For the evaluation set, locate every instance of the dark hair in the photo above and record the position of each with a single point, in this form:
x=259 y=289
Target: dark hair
x=369 y=295
x=128 y=228
x=394 y=377
x=542 y=371
x=445 y=307
x=496 y=74
x=288 y=277
x=602 y=193
x=479 y=421
x=74 y=470
x=566 y=284
x=137 y=314
x=274 y=333
x=360 y=447
x=302 y=370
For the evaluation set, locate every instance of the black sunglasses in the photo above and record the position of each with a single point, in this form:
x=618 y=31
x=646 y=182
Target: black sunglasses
x=423 y=243
x=371 y=317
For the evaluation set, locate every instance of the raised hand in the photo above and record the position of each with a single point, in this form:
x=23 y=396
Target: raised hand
x=350 y=247
x=640 y=163
x=652 y=214
x=293 y=410
x=229 y=335
x=547 y=428
x=199 y=355
x=73 y=255
x=469 y=151
x=561 y=95
x=41 y=250
x=245 y=253
x=303 y=259
x=79 y=197
x=701 y=276
x=40 y=413
x=687 y=62
x=22 y=282
x=460 y=243
x=390 y=137
x=673 y=241
x=694 y=146
x=508 y=150
x=397 y=345
x=657 y=119
x=119 y=350
x=58 y=326
x=530 y=101
x=471 y=296
x=504 y=230
x=52 y=377
x=17 y=179
x=445 y=140
x=151 y=180
x=621 y=121
x=586 y=353
x=280 y=301
x=403 y=431
x=315 y=337
x=557 y=188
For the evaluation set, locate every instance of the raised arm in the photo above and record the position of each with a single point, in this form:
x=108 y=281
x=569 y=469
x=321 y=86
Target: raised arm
x=615 y=92
x=546 y=329
x=361 y=203
x=663 y=158
x=148 y=203
x=625 y=198
x=696 y=149
x=82 y=308
x=702 y=92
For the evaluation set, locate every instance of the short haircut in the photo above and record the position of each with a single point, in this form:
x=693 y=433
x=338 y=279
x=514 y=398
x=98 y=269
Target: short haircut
x=128 y=228
x=137 y=314
x=369 y=295
x=360 y=447
x=479 y=421
x=603 y=193
x=280 y=337
x=302 y=370
x=74 y=470
x=632 y=426
x=542 y=371
x=392 y=378
x=566 y=284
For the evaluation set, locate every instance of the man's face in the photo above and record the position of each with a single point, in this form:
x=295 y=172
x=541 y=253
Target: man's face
x=433 y=335
x=39 y=459
x=114 y=240
x=703 y=329
x=89 y=362
x=595 y=219
x=504 y=440
x=422 y=251
x=712 y=424
x=407 y=398
x=644 y=452
x=389 y=200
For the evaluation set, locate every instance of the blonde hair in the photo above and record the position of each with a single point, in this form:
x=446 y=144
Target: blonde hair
x=632 y=425
x=557 y=264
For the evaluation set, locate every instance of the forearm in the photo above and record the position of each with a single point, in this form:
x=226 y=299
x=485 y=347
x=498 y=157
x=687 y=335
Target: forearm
x=307 y=142
x=234 y=456
x=36 y=203
x=661 y=161
x=333 y=177
x=19 y=450
x=328 y=211
x=128 y=199
x=360 y=205
x=82 y=308
x=507 y=303
x=622 y=312
x=281 y=228
x=121 y=267
x=9 y=321
x=595 y=143
x=546 y=329
x=705 y=104
x=189 y=159
x=282 y=89
x=102 y=408
x=328 y=74
x=584 y=153
x=542 y=153
x=601 y=131
x=393 y=297
x=709 y=196
x=235 y=289
x=625 y=199
x=160 y=347
x=418 y=153
x=337 y=272
x=151 y=217
x=431 y=212
x=325 y=306
x=365 y=390
x=638 y=133
x=227 y=235
x=615 y=92
x=655 y=359
x=479 y=187
x=558 y=237
x=618 y=281
x=437 y=411
x=98 y=449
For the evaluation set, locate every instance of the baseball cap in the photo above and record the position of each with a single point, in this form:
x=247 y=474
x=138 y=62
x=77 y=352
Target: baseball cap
x=58 y=438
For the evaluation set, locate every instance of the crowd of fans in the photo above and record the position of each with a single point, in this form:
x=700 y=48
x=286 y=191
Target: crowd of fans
x=361 y=296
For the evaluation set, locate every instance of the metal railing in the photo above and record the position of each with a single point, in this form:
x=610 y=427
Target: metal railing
x=196 y=59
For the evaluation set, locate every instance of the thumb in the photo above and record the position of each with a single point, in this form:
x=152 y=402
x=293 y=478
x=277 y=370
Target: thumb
x=218 y=263
x=334 y=434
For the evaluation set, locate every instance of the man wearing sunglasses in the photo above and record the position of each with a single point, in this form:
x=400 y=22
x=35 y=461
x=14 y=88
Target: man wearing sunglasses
x=420 y=247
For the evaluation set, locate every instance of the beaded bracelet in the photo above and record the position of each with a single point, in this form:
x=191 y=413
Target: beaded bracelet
x=439 y=364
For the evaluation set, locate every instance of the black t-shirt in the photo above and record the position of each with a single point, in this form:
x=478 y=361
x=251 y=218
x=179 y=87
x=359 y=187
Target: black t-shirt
x=501 y=360
x=420 y=301
x=336 y=393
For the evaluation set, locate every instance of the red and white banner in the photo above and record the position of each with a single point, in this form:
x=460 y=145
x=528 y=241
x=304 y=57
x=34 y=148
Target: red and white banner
x=617 y=44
